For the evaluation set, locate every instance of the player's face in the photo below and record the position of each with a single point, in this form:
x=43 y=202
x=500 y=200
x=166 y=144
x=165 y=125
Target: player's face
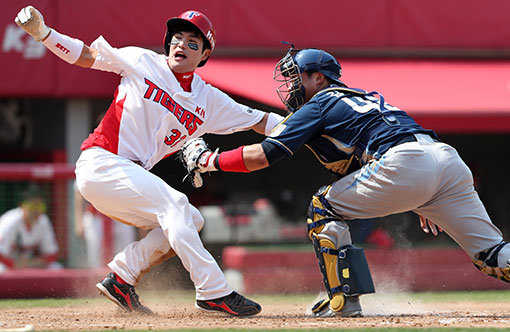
x=312 y=83
x=186 y=52
x=32 y=209
x=308 y=82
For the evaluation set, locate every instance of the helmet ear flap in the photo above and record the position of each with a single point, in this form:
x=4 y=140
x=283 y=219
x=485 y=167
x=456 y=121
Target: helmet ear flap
x=312 y=59
x=166 y=42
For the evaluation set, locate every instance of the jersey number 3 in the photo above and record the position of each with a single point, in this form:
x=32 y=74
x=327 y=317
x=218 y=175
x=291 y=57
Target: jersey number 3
x=175 y=137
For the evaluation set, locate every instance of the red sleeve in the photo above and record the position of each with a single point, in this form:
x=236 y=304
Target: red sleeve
x=7 y=261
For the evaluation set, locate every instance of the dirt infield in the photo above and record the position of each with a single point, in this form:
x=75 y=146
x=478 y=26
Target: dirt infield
x=380 y=311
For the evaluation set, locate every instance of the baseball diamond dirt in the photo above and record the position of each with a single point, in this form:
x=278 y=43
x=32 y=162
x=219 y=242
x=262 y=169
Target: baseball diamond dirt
x=176 y=311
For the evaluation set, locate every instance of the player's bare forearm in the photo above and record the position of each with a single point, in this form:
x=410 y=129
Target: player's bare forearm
x=261 y=125
x=267 y=123
x=254 y=157
x=87 y=57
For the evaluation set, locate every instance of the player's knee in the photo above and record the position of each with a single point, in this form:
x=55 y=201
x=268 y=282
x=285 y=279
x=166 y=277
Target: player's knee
x=319 y=213
x=198 y=219
x=84 y=187
x=179 y=233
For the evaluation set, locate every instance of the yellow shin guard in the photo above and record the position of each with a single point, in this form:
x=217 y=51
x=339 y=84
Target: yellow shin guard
x=330 y=264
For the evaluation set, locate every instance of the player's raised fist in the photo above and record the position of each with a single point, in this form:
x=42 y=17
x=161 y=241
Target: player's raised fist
x=31 y=20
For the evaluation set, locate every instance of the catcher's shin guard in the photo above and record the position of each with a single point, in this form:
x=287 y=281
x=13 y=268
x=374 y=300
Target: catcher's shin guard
x=487 y=263
x=319 y=214
x=353 y=271
x=345 y=270
x=328 y=267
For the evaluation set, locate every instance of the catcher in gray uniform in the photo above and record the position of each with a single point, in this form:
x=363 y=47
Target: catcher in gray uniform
x=385 y=162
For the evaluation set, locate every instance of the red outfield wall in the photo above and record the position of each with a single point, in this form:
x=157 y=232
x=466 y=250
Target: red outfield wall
x=392 y=270
x=283 y=272
x=28 y=69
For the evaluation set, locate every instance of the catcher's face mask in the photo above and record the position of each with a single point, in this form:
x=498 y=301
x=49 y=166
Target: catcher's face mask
x=291 y=90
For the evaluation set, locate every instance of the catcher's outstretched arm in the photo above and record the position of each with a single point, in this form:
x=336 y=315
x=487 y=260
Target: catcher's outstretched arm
x=254 y=157
x=198 y=157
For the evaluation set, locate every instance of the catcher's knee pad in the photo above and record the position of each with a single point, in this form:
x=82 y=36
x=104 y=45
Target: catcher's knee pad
x=487 y=263
x=320 y=212
x=345 y=271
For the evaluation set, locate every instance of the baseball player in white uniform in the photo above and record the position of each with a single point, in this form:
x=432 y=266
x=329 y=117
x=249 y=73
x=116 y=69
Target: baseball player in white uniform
x=159 y=104
x=26 y=236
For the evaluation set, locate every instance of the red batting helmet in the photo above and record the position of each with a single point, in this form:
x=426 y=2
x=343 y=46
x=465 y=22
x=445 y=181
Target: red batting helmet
x=191 y=20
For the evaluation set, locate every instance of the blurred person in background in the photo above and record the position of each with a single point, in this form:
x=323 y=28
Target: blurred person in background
x=90 y=226
x=27 y=239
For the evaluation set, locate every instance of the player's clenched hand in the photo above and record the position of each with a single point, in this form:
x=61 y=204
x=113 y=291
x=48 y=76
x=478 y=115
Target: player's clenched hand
x=426 y=224
x=31 y=20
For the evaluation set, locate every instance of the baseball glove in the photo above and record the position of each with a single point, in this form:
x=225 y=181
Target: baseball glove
x=197 y=158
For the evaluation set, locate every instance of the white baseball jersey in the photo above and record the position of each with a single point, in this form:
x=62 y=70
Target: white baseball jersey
x=152 y=115
x=14 y=232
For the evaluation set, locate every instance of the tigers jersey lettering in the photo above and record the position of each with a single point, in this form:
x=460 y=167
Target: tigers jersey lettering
x=190 y=121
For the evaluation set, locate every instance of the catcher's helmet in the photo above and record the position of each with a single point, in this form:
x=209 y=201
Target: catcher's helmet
x=288 y=70
x=312 y=60
x=191 y=20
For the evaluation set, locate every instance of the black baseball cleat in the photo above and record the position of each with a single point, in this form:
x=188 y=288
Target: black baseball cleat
x=122 y=295
x=233 y=304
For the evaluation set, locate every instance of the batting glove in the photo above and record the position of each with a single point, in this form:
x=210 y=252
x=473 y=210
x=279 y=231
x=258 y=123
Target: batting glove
x=206 y=161
x=31 y=20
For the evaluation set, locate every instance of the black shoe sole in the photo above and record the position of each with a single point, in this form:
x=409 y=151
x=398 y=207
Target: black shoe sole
x=212 y=311
x=105 y=292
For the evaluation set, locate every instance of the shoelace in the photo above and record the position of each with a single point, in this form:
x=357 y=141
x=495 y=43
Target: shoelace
x=237 y=299
x=134 y=296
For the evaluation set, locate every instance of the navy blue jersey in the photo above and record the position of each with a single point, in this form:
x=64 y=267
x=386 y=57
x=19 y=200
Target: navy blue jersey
x=339 y=123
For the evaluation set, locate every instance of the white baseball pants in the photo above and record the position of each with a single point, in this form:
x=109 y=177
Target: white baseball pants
x=125 y=191
x=426 y=177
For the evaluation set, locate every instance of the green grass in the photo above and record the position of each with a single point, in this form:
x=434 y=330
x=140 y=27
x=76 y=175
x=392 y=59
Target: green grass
x=473 y=296
x=46 y=303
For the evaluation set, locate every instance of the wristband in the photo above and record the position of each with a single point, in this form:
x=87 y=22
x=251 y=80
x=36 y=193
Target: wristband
x=67 y=48
x=231 y=161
